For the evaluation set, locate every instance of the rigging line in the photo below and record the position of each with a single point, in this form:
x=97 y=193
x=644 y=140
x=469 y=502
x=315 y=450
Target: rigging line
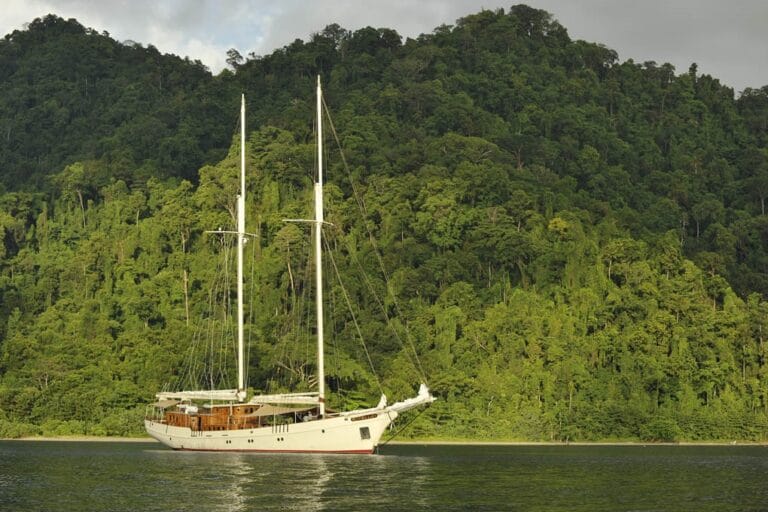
x=220 y=329
x=421 y=411
x=279 y=346
x=292 y=311
x=288 y=349
x=361 y=205
x=219 y=288
x=336 y=360
x=184 y=378
x=185 y=363
x=197 y=351
x=206 y=364
x=354 y=317
x=280 y=353
x=366 y=278
x=218 y=351
x=189 y=375
x=305 y=314
x=251 y=307
x=300 y=329
x=217 y=361
x=194 y=371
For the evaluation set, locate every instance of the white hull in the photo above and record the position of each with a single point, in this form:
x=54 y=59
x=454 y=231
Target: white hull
x=348 y=433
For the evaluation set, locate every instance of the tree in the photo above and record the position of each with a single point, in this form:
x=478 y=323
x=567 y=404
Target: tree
x=234 y=59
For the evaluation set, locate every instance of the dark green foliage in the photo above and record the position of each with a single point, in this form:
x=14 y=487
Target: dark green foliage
x=575 y=247
x=72 y=94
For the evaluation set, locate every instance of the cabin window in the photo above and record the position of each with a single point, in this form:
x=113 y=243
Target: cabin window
x=365 y=433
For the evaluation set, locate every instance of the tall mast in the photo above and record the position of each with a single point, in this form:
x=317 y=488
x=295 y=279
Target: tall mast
x=240 y=243
x=318 y=254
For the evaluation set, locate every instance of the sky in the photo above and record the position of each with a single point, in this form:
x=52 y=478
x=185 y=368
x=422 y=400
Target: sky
x=726 y=39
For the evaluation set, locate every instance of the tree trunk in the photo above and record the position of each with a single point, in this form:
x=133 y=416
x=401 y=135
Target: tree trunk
x=82 y=206
x=185 y=281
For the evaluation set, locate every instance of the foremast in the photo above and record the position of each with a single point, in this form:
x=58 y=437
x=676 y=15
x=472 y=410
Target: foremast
x=238 y=394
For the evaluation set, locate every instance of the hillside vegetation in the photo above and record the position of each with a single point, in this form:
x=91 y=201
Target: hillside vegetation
x=574 y=246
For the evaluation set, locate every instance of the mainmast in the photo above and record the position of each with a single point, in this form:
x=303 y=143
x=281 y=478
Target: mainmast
x=318 y=253
x=240 y=242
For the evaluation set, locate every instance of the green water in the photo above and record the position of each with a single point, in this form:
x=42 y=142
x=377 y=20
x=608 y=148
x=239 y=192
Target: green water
x=104 y=476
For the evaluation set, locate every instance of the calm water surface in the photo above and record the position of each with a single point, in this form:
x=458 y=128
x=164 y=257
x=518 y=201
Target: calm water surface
x=105 y=476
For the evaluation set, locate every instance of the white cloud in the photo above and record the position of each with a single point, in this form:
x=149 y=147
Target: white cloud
x=17 y=13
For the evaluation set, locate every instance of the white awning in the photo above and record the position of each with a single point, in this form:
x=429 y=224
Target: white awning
x=287 y=398
x=214 y=394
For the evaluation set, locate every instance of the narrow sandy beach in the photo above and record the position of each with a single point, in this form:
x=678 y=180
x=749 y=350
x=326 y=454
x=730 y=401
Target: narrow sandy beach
x=90 y=439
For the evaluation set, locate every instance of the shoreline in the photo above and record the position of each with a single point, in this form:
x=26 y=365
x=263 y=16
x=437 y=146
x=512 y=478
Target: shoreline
x=431 y=442
x=580 y=443
x=84 y=439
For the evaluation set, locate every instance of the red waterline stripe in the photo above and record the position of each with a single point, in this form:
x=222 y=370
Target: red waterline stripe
x=354 y=452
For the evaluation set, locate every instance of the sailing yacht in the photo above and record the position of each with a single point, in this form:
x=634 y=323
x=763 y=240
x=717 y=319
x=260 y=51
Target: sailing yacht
x=225 y=420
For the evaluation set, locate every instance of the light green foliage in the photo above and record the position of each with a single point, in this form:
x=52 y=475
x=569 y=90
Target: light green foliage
x=575 y=246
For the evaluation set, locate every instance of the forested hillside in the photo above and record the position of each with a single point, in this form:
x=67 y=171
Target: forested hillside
x=71 y=94
x=575 y=246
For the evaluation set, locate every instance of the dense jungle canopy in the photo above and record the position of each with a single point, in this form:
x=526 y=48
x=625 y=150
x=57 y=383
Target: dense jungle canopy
x=575 y=246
